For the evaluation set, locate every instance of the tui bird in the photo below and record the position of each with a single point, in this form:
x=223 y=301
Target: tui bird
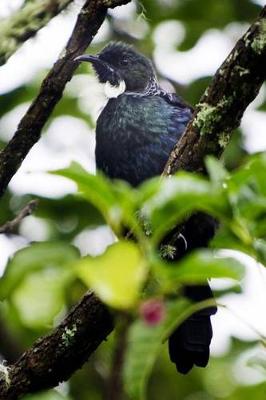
x=135 y=134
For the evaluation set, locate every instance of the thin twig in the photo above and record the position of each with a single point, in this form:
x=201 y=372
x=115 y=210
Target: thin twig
x=12 y=226
x=115 y=381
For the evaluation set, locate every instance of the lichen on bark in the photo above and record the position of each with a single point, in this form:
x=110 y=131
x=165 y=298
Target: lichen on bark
x=235 y=84
x=259 y=43
x=25 y=23
x=208 y=115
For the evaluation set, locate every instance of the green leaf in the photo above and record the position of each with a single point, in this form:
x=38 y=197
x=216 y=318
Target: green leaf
x=260 y=247
x=95 y=188
x=47 y=395
x=252 y=174
x=72 y=211
x=246 y=192
x=40 y=297
x=197 y=267
x=144 y=344
x=116 y=276
x=226 y=239
x=115 y=200
x=168 y=201
x=216 y=171
x=34 y=258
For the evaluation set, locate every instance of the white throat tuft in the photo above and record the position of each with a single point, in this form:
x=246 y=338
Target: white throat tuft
x=112 y=91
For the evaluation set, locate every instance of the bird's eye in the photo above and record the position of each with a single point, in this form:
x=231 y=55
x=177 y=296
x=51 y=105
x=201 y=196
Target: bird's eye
x=123 y=62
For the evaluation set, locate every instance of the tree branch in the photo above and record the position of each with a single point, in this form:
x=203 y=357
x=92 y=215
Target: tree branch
x=25 y=23
x=11 y=226
x=234 y=86
x=55 y=357
x=29 y=130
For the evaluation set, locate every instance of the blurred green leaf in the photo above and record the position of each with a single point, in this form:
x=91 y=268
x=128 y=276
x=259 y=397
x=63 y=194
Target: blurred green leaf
x=144 y=344
x=68 y=215
x=40 y=297
x=168 y=201
x=34 y=258
x=246 y=191
x=252 y=174
x=226 y=239
x=116 y=276
x=96 y=188
x=115 y=201
x=216 y=171
x=48 y=395
x=260 y=247
x=193 y=14
x=197 y=267
x=235 y=151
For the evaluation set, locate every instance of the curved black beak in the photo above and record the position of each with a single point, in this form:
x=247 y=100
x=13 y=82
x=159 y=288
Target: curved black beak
x=88 y=58
x=104 y=70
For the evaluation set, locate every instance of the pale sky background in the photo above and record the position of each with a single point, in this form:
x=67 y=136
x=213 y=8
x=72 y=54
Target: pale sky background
x=69 y=139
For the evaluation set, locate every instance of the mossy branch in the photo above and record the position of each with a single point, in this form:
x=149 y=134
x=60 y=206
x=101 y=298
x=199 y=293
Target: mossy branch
x=233 y=87
x=56 y=357
x=235 y=84
x=25 y=23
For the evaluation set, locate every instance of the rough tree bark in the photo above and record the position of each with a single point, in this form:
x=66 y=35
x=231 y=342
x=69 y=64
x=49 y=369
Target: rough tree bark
x=219 y=111
x=25 y=23
x=55 y=357
x=235 y=84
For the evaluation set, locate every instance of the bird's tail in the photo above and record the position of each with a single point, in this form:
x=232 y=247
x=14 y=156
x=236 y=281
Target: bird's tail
x=189 y=343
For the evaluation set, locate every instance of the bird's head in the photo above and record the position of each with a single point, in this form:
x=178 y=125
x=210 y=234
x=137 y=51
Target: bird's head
x=121 y=68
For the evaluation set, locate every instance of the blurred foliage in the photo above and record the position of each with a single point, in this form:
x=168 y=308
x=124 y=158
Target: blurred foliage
x=68 y=216
x=43 y=280
x=49 y=395
x=198 y=16
x=36 y=278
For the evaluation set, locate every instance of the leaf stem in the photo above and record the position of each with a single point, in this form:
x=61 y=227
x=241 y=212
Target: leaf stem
x=115 y=382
